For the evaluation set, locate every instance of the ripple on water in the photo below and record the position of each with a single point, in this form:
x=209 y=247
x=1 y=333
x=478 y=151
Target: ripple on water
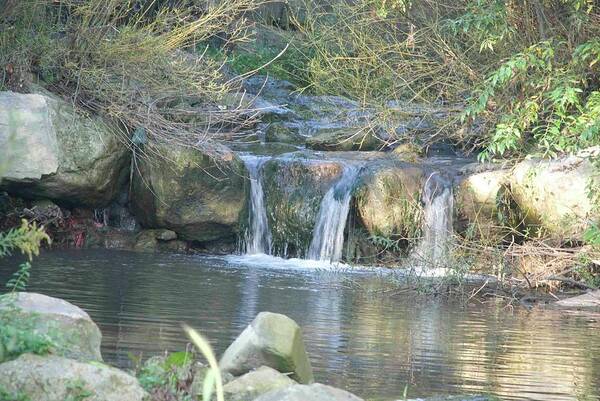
x=370 y=343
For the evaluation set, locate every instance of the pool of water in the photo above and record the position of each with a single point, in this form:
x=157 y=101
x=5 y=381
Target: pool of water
x=361 y=334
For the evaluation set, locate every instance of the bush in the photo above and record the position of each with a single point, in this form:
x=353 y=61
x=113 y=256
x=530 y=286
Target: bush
x=129 y=60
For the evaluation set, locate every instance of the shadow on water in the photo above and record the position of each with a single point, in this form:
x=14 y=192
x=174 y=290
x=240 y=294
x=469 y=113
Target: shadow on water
x=366 y=342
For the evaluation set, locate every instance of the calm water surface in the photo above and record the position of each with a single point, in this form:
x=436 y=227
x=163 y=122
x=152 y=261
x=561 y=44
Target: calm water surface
x=359 y=336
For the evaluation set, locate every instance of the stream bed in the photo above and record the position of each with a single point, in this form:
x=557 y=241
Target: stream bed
x=360 y=333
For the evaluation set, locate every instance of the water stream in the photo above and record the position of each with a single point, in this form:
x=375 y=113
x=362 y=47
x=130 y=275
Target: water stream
x=258 y=237
x=328 y=236
x=437 y=228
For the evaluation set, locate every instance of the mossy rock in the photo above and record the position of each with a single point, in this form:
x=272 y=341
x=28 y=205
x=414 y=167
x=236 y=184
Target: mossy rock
x=68 y=328
x=345 y=139
x=388 y=200
x=54 y=378
x=199 y=196
x=294 y=190
x=60 y=153
x=554 y=195
x=284 y=133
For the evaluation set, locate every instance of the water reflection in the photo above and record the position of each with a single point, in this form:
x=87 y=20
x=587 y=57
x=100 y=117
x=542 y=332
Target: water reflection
x=370 y=343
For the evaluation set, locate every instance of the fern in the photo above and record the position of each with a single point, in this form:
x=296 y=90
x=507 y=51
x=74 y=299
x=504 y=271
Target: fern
x=20 y=278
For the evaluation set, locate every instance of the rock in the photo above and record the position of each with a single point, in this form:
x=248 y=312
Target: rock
x=54 y=378
x=255 y=383
x=71 y=330
x=313 y=392
x=294 y=189
x=345 y=139
x=272 y=340
x=200 y=372
x=59 y=153
x=388 y=200
x=284 y=133
x=553 y=195
x=590 y=300
x=199 y=197
x=480 y=201
x=156 y=240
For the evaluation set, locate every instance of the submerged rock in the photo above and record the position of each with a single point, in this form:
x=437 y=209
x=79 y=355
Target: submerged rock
x=54 y=378
x=555 y=195
x=70 y=329
x=55 y=152
x=313 y=392
x=198 y=196
x=271 y=340
x=255 y=383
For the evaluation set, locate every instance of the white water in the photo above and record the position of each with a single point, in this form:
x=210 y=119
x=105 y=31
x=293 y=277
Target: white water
x=258 y=236
x=328 y=235
x=432 y=251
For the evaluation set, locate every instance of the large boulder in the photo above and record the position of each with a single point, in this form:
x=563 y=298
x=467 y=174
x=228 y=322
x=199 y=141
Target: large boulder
x=481 y=203
x=69 y=328
x=255 y=383
x=388 y=200
x=199 y=196
x=313 y=392
x=294 y=189
x=555 y=196
x=54 y=378
x=272 y=340
x=53 y=151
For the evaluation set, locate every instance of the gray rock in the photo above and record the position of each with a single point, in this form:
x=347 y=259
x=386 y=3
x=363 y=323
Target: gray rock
x=70 y=328
x=313 y=392
x=58 y=153
x=346 y=139
x=272 y=340
x=256 y=383
x=590 y=300
x=553 y=195
x=54 y=378
x=199 y=196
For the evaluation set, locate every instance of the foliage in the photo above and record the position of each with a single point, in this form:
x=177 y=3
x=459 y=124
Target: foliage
x=5 y=395
x=213 y=383
x=27 y=238
x=20 y=278
x=171 y=377
x=168 y=377
x=17 y=336
x=129 y=60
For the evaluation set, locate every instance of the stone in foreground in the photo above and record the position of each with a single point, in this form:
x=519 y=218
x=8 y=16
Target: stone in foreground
x=70 y=328
x=54 y=378
x=313 y=392
x=256 y=383
x=272 y=340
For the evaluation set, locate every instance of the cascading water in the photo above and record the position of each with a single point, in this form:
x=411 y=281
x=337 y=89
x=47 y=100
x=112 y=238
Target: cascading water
x=258 y=237
x=438 y=221
x=328 y=235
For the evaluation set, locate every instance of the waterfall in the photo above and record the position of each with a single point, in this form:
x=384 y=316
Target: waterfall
x=438 y=222
x=258 y=237
x=328 y=235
